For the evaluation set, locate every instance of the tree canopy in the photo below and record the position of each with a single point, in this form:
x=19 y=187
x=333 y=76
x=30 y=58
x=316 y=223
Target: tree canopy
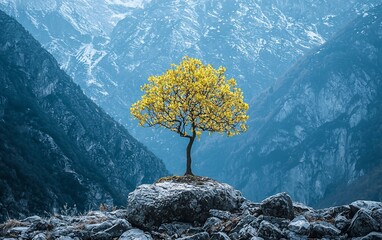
x=191 y=98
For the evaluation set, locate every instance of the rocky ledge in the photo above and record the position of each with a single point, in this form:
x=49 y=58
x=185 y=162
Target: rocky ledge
x=198 y=208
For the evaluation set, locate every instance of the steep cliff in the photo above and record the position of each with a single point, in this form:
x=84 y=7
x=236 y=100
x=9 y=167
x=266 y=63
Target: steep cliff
x=317 y=132
x=56 y=145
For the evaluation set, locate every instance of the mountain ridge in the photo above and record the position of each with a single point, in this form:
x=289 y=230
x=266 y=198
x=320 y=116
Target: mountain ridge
x=57 y=146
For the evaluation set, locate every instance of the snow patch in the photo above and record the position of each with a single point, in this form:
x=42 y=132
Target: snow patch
x=315 y=37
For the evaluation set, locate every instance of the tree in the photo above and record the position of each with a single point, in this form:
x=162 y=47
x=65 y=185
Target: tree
x=191 y=98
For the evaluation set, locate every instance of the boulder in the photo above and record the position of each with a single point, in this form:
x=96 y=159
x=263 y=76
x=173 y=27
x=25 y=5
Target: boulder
x=134 y=234
x=184 y=200
x=198 y=236
x=279 y=205
x=362 y=204
x=323 y=229
x=299 y=225
x=269 y=231
x=362 y=224
x=219 y=236
x=372 y=236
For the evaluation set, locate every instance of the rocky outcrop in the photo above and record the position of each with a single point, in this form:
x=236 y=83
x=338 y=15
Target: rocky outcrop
x=241 y=219
x=185 y=199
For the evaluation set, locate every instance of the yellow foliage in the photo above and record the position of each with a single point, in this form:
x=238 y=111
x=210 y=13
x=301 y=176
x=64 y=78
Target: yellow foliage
x=191 y=98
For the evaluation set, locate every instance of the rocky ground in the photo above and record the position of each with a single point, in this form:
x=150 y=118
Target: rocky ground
x=197 y=208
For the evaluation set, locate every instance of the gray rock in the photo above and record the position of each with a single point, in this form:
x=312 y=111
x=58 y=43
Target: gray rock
x=247 y=232
x=246 y=220
x=135 y=234
x=175 y=228
x=362 y=223
x=377 y=215
x=341 y=222
x=98 y=227
x=152 y=205
x=269 y=231
x=361 y=204
x=212 y=224
x=299 y=225
x=32 y=219
x=279 y=205
x=323 y=229
x=100 y=236
x=224 y=215
x=295 y=236
x=15 y=231
x=40 y=225
x=257 y=238
x=300 y=208
x=40 y=236
x=199 y=236
x=219 y=236
x=119 y=226
x=64 y=238
x=372 y=236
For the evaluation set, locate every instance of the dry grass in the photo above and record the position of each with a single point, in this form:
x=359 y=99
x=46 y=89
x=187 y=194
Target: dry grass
x=197 y=180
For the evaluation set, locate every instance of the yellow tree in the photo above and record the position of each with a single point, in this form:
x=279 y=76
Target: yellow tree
x=191 y=98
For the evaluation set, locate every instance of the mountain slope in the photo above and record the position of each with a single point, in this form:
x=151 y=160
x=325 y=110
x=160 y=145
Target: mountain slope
x=317 y=131
x=56 y=145
x=256 y=40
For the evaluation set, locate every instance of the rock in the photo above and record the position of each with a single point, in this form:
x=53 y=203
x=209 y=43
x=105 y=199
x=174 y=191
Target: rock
x=299 y=225
x=152 y=205
x=98 y=227
x=174 y=229
x=279 y=205
x=377 y=215
x=247 y=232
x=119 y=226
x=269 y=231
x=372 y=236
x=135 y=234
x=341 y=222
x=246 y=220
x=223 y=215
x=300 y=208
x=361 y=204
x=40 y=236
x=40 y=225
x=295 y=236
x=33 y=219
x=323 y=229
x=212 y=224
x=199 y=236
x=101 y=236
x=64 y=238
x=219 y=236
x=362 y=223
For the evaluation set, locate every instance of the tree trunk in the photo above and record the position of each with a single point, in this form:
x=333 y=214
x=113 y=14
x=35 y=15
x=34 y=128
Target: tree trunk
x=188 y=153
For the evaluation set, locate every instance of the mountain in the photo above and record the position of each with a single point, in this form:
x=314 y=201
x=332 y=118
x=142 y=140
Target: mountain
x=256 y=40
x=317 y=132
x=57 y=147
x=75 y=32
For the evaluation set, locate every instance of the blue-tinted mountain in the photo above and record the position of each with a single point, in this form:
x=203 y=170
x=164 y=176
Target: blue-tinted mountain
x=256 y=40
x=317 y=132
x=58 y=147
